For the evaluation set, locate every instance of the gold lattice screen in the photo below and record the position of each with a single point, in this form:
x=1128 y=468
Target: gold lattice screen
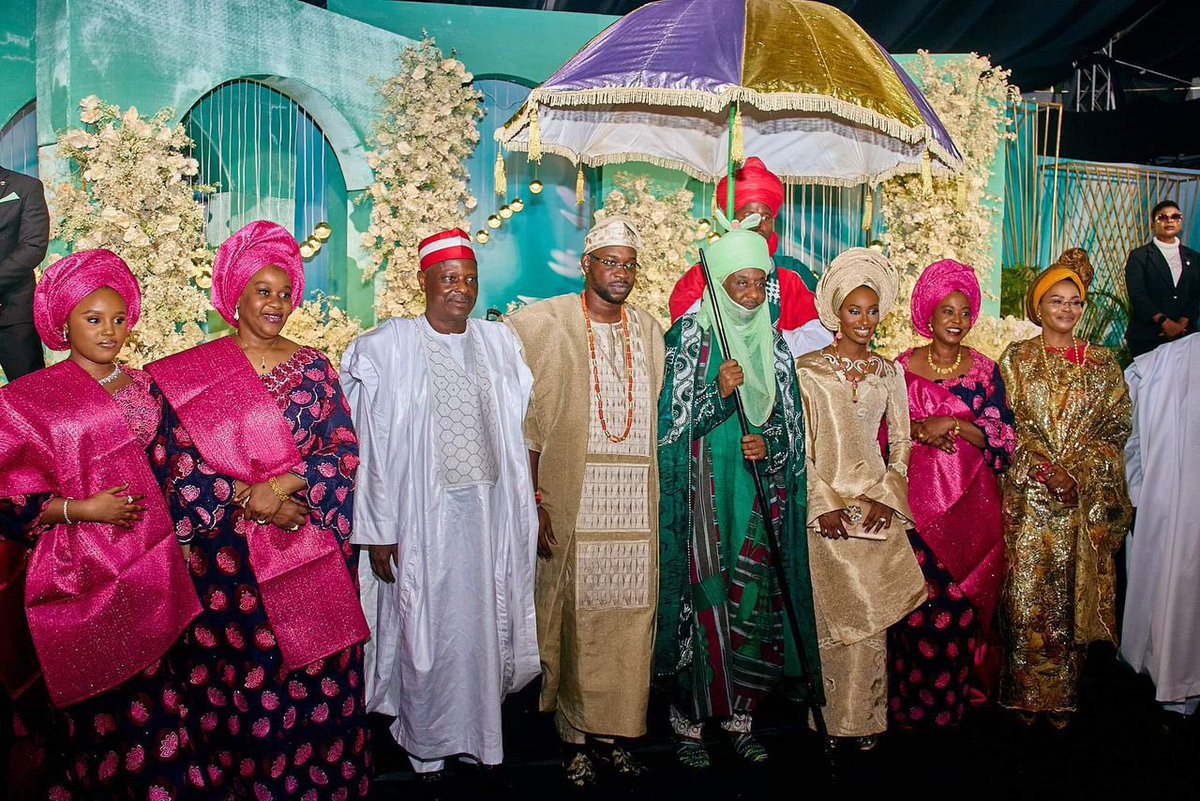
x=1105 y=209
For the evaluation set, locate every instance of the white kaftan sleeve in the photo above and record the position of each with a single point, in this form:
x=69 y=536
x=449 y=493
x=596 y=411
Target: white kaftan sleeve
x=376 y=498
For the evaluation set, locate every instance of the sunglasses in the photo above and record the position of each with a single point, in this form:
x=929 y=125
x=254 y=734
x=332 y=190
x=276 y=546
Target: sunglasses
x=1176 y=217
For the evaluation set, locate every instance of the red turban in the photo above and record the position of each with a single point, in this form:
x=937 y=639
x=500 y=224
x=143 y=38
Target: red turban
x=257 y=245
x=936 y=282
x=452 y=244
x=70 y=280
x=754 y=183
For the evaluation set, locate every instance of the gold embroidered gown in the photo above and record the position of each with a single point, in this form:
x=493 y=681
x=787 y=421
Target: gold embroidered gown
x=1059 y=587
x=860 y=586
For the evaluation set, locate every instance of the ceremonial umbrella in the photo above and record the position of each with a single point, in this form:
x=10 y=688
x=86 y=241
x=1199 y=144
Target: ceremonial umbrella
x=694 y=85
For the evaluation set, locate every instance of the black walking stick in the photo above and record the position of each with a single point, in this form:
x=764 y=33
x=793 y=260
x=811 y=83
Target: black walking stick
x=772 y=538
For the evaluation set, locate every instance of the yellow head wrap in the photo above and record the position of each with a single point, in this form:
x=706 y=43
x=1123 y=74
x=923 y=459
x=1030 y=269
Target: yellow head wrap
x=1041 y=285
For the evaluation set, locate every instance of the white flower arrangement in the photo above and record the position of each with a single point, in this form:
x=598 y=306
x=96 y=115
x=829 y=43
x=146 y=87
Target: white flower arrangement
x=425 y=132
x=955 y=217
x=669 y=238
x=319 y=324
x=131 y=192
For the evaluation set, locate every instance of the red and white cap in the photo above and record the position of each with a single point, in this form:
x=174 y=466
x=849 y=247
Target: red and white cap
x=452 y=244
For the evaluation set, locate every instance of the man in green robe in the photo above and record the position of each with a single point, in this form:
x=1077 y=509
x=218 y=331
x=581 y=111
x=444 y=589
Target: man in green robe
x=722 y=635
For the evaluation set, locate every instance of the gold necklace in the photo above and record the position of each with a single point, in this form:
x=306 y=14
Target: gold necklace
x=263 y=365
x=951 y=370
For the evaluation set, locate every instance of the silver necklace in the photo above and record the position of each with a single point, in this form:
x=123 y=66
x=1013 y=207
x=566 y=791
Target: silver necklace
x=111 y=377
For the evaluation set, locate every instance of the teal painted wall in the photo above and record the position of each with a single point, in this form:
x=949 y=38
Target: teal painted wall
x=18 y=82
x=519 y=44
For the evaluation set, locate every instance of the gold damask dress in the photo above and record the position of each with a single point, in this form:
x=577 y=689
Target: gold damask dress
x=1059 y=587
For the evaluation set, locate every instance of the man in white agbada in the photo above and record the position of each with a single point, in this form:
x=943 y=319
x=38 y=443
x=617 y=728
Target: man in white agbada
x=1161 y=627
x=445 y=508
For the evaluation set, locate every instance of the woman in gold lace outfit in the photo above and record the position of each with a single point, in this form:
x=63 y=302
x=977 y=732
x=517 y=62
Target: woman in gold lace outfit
x=1066 y=508
x=864 y=574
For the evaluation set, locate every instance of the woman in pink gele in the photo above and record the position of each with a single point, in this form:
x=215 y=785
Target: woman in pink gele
x=963 y=436
x=259 y=455
x=106 y=592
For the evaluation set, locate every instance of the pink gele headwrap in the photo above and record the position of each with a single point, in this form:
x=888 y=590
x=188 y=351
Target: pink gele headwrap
x=70 y=280
x=257 y=245
x=936 y=282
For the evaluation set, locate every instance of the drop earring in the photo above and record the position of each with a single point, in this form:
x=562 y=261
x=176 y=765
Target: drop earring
x=837 y=337
x=236 y=315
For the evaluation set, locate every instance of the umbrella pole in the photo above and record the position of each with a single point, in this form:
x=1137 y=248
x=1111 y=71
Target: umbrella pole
x=729 y=167
x=810 y=687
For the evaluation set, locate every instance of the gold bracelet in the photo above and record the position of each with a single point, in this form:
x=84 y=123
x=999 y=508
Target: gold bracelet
x=278 y=490
x=957 y=429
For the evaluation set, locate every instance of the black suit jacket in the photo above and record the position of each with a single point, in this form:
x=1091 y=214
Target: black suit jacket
x=1152 y=292
x=24 y=235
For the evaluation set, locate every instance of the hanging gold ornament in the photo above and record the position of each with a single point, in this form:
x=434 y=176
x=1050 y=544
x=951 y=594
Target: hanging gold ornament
x=876 y=245
x=713 y=237
x=704 y=226
x=517 y=205
x=482 y=236
x=306 y=252
x=493 y=221
x=315 y=244
x=535 y=187
x=323 y=231
x=505 y=212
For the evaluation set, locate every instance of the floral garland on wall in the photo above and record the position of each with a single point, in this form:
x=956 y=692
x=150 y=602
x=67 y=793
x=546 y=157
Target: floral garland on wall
x=953 y=218
x=130 y=194
x=670 y=237
x=420 y=144
x=133 y=197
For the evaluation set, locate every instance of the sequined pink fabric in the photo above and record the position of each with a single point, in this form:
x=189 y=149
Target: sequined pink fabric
x=955 y=500
x=238 y=428
x=91 y=585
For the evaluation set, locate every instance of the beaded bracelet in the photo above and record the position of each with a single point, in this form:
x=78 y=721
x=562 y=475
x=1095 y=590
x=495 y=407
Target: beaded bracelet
x=66 y=517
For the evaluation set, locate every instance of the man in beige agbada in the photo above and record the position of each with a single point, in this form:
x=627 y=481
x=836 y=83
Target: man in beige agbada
x=591 y=429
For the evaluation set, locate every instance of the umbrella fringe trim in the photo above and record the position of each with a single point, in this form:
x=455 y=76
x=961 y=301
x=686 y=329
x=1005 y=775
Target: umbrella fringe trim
x=939 y=169
x=692 y=98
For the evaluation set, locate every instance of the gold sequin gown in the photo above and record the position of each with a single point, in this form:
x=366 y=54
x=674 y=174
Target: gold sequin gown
x=1059 y=589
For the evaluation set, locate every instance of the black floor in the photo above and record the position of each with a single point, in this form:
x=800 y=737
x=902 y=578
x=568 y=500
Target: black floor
x=1115 y=748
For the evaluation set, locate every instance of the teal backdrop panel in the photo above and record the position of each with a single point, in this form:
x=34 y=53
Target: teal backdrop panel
x=521 y=44
x=18 y=71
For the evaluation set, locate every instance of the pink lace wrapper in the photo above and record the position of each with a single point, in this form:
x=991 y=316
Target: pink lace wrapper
x=308 y=594
x=955 y=500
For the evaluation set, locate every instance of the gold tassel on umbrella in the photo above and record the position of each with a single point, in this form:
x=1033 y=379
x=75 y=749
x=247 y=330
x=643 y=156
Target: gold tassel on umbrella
x=868 y=208
x=926 y=172
x=580 y=187
x=535 y=136
x=737 y=149
x=499 y=174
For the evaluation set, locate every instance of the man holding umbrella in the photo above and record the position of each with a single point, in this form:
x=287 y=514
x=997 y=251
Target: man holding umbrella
x=723 y=638
x=759 y=191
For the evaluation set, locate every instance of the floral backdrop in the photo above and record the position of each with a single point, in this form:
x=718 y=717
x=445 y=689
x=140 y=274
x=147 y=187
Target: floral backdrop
x=426 y=129
x=130 y=193
x=952 y=218
x=133 y=189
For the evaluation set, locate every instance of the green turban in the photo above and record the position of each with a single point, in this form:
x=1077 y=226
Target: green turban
x=751 y=337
